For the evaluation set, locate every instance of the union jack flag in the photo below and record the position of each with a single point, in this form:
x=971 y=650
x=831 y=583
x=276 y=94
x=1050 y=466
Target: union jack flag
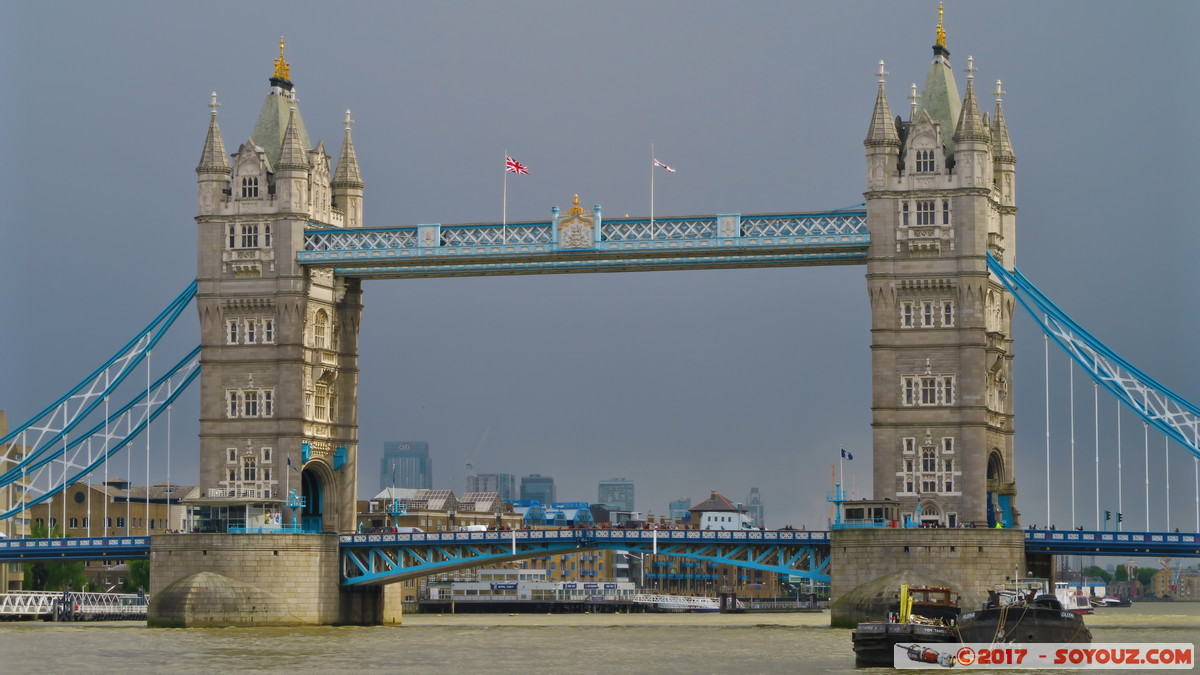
x=658 y=163
x=513 y=166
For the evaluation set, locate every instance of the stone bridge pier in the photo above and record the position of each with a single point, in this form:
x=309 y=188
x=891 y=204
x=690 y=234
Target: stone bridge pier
x=202 y=580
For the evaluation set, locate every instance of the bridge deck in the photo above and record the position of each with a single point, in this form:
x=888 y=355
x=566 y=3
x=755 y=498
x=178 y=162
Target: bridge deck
x=1174 y=544
x=616 y=245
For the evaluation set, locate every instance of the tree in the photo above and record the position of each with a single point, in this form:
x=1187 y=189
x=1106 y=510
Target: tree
x=1145 y=575
x=53 y=576
x=1122 y=574
x=1097 y=571
x=139 y=576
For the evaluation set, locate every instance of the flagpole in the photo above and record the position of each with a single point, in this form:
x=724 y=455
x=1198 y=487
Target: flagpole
x=652 y=168
x=504 y=213
x=841 y=469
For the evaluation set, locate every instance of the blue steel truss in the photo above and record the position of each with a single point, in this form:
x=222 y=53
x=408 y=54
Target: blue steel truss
x=45 y=474
x=1157 y=405
x=374 y=559
x=45 y=454
x=616 y=245
x=46 y=429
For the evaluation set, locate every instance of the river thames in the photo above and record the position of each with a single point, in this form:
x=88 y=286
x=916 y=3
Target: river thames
x=500 y=643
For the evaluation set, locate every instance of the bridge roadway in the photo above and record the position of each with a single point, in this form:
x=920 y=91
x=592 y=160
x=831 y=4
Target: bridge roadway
x=568 y=244
x=383 y=558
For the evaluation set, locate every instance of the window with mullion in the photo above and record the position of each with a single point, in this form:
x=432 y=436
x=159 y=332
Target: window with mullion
x=925 y=212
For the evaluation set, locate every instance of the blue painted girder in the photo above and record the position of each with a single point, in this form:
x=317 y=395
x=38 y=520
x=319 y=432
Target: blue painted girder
x=384 y=558
x=1154 y=403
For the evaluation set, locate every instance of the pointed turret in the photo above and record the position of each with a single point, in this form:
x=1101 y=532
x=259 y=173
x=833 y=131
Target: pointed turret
x=1002 y=149
x=347 y=184
x=212 y=173
x=213 y=158
x=970 y=125
x=972 y=139
x=292 y=169
x=883 y=129
x=347 y=173
x=1004 y=165
x=883 y=142
x=291 y=153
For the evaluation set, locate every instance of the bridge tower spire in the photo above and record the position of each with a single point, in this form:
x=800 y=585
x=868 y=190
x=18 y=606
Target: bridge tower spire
x=347 y=181
x=279 y=342
x=939 y=198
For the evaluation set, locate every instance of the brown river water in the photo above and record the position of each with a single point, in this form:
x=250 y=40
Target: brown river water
x=500 y=643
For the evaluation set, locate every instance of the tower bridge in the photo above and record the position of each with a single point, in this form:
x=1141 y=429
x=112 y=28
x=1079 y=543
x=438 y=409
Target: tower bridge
x=284 y=250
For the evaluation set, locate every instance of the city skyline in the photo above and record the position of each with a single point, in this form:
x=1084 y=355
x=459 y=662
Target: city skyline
x=686 y=382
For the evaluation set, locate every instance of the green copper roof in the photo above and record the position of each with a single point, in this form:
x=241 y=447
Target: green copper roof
x=940 y=96
x=272 y=122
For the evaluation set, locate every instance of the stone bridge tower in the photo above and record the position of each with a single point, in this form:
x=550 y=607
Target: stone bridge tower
x=278 y=408
x=940 y=196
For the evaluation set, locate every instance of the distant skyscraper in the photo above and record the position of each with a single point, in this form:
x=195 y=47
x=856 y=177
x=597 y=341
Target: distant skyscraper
x=406 y=464
x=537 y=486
x=616 y=494
x=493 y=482
x=678 y=508
x=754 y=507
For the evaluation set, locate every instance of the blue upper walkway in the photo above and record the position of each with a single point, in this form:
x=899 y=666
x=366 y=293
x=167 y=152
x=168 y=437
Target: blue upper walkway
x=585 y=242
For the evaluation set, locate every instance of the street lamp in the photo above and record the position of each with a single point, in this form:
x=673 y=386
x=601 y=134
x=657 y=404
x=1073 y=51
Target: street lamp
x=641 y=558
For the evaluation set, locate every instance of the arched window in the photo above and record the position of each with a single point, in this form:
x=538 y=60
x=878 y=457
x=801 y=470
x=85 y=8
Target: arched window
x=320 y=329
x=249 y=186
x=250 y=236
x=928 y=460
x=249 y=469
x=925 y=162
x=925 y=211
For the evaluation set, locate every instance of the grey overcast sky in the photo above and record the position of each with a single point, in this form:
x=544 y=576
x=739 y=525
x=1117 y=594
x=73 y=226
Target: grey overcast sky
x=684 y=381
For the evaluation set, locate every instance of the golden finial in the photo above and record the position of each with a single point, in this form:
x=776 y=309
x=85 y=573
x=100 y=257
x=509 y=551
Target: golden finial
x=576 y=209
x=282 y=70
x=941 y=32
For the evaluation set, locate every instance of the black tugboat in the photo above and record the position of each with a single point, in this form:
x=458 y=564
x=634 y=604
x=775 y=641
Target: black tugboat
x=924 y=614
x=1015 y=615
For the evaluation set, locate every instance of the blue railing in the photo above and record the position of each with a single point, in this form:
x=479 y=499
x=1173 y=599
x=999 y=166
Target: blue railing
x=75 y=548
x=1179 y=544
x=587 y=536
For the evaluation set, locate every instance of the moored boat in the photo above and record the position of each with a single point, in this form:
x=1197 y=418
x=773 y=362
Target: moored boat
x=1022 y=615
x=1072 y=599
x=925 y=615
